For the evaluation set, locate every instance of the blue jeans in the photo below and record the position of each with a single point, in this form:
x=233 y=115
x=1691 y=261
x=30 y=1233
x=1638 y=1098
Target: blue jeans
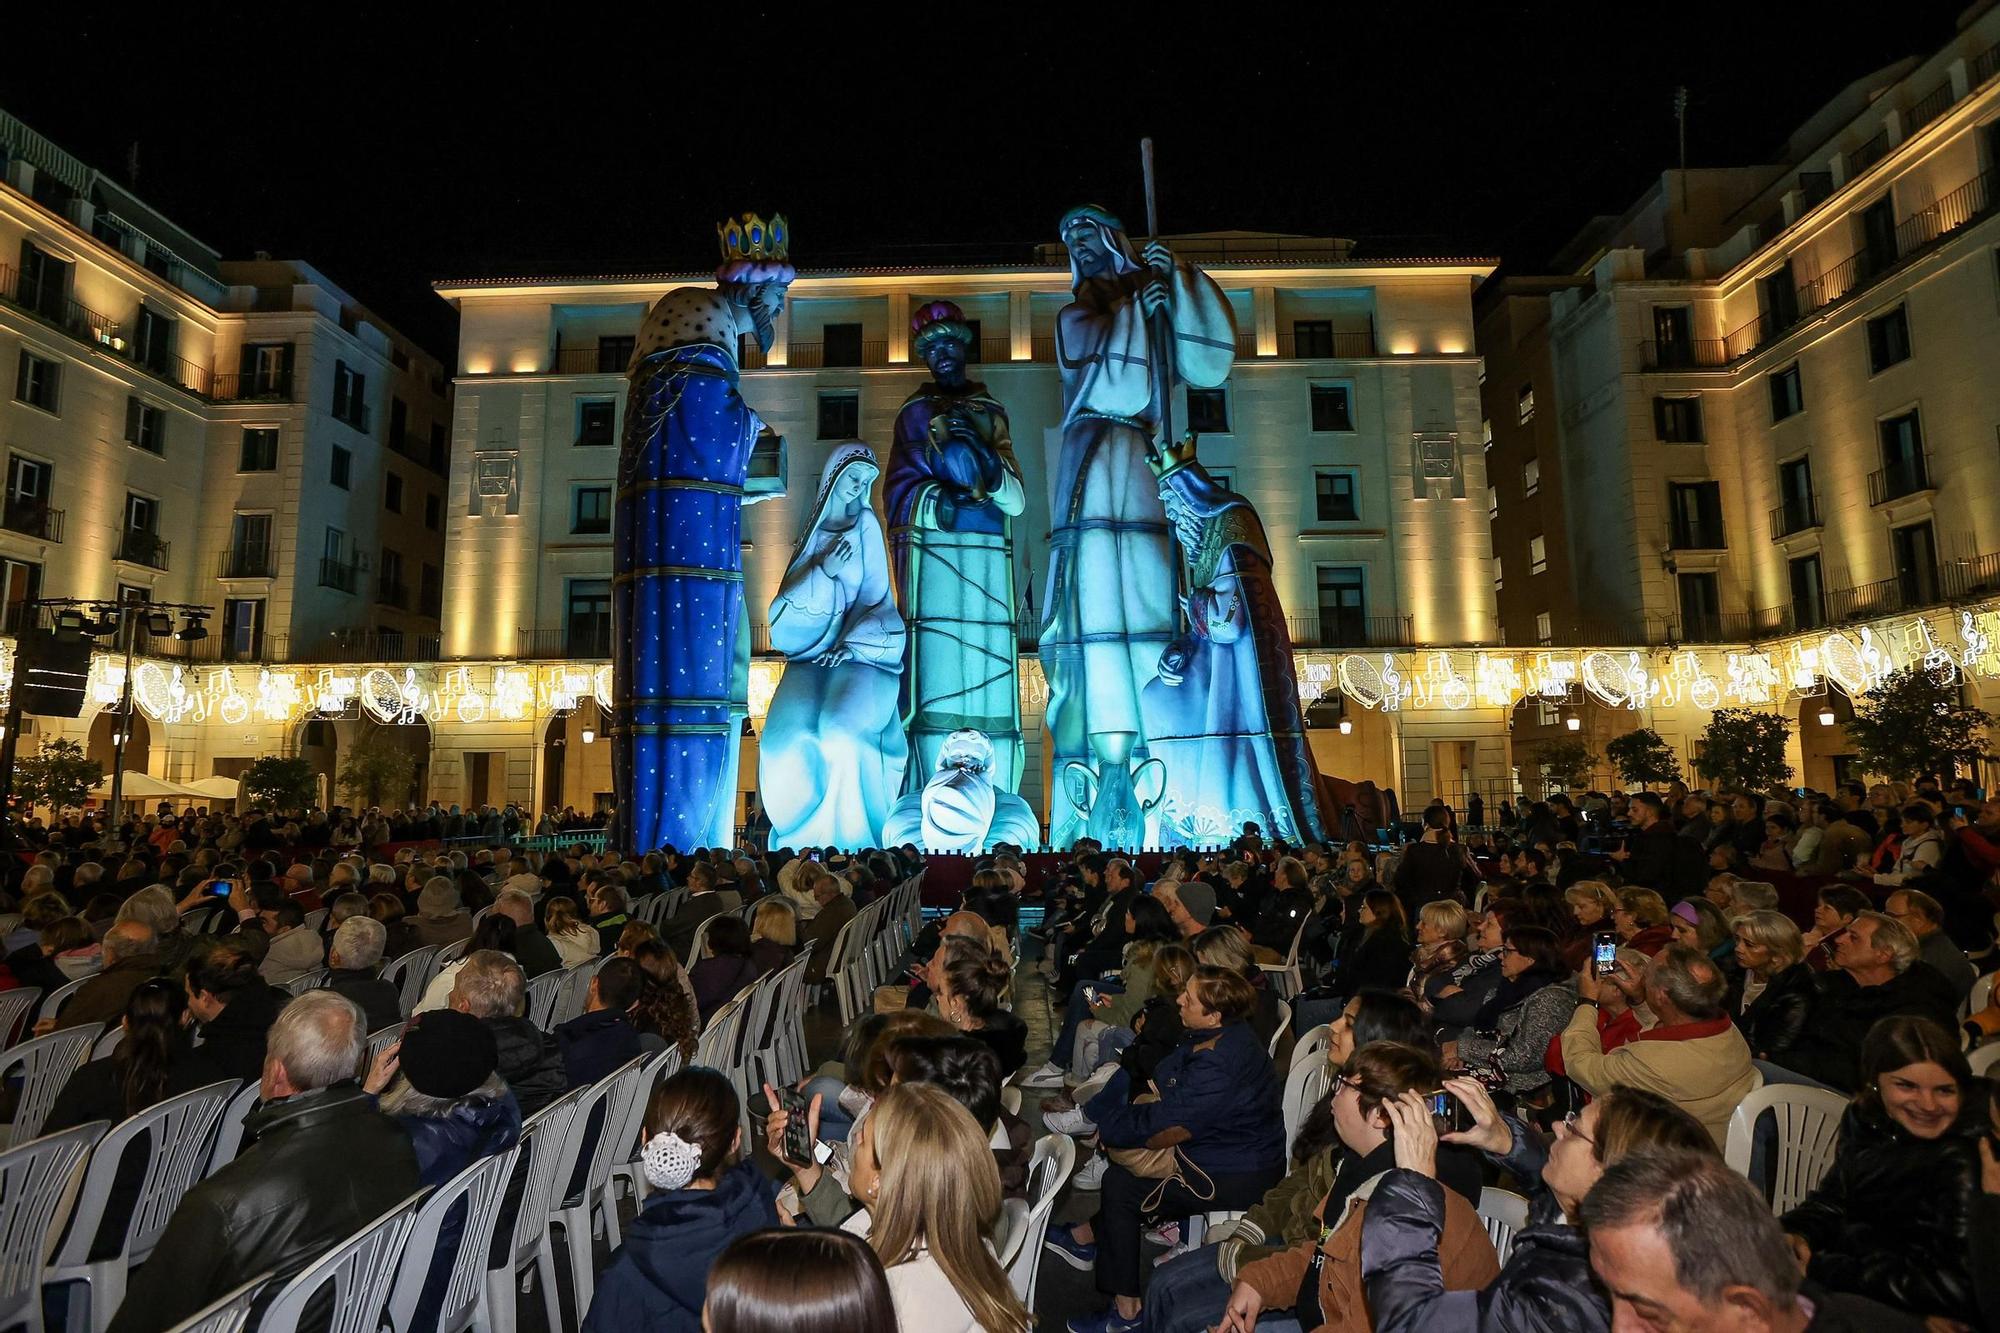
x=834 y=1122
x=1187 y=1295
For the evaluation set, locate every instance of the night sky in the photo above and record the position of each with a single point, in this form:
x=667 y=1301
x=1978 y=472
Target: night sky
x=391 y=151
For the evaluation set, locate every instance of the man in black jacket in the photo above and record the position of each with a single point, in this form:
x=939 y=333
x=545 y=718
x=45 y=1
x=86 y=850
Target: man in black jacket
x=1880 y=973
x=491 y=988
x=354 y=970
x=325 y=1163
x=1655 y=857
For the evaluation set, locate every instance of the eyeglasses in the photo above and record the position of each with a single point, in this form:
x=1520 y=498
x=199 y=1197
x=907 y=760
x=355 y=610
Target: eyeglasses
x=1569 y=1124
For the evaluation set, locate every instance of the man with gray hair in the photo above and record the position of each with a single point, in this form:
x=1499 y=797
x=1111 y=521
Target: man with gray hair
x=131 y=958
x=1880 y=972
x=1692 y=1054
x=324 y=1162
x=1923 y=916
x=353 y=963
x=491 y=988
x=1682 y=1242
x=1752 y=895
x=532 y=947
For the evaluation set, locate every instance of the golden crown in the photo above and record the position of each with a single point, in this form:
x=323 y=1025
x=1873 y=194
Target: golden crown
x=754 y=238
x=1178 y=454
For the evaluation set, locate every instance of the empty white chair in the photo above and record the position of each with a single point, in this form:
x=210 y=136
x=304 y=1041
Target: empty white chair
x=1504 y=1213
x=481 y=1187
x=540 y=1154
x=229 y=1132
x=15 y=1006
x=44 y=1064
x=1284 y=977
x=228 y=1313
x=359 y=1270
x=177 y=1134
x=1808 y=1132
x=410 y=974
x=1054 y=1157
x=35 y=1179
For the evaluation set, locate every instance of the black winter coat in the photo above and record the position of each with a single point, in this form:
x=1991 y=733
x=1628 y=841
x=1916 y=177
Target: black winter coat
x=324 y=1164
x=234 y=1042
x=1830 y=1048
x=1775 y=1019
x=1892 y=1218
x=529 y=1061
x=1545 y=1285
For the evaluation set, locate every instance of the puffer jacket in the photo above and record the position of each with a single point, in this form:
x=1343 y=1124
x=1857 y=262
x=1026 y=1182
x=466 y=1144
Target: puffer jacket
x=477 y=1126
x=658 y=1278
x=1773 y=1021
x=1891 y=1220
x=1545 y=1285
x=324 y=1164
x=1218 y=1103
x=530 y=1061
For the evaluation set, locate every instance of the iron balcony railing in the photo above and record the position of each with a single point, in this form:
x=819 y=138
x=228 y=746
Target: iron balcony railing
x=1334 y=345
x=340 y=575
x=1928 y=108
x=1683 y=354
x=247 y=562
x=1351 y=631
x=33 y=519
x=98 y=331
x=543 y=643
x=143 y=548
x=1799 y=513
x=347 y=646
x=273 y=387
x=1903 y=477
x=1868 y=154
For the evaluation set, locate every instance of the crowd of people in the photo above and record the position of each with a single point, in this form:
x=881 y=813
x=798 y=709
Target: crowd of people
x=1565 y=1006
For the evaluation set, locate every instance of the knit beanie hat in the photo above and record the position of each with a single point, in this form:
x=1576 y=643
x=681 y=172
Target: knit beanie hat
x=447 y=1054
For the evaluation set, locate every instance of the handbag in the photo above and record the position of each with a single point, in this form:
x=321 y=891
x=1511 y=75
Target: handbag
x=1165 y=1165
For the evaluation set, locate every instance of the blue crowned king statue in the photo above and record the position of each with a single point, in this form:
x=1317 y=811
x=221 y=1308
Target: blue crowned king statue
x=951 y=491
x=831 y=763
x=693 y=454
x=1223 y=714
x=1133 y=330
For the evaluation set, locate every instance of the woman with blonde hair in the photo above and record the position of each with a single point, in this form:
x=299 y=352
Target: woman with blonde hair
x=1778 y=994
x=1592 y=903
x=925 y=1171
x=1441 y=930
x=576 y=940
x=774 y=933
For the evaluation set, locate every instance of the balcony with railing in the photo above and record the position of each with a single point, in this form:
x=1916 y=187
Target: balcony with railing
x=1868 y=154
x=581 y=642
x=1684 y=354
x=32 y=518
x=1927 y=108
x=142 y=548
x=390 y=591
x=1351 y=631
x=340 y=575
x=98 y=331
x=1901 y=478
x=1799 y=513
x=247 y=561
x=267 y=387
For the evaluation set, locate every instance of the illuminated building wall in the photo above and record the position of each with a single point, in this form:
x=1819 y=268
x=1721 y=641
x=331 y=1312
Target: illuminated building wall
x=1380 y=350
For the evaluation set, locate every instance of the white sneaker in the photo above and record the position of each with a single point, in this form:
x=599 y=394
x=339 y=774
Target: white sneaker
x=1092 y=1174
x=1073 y=1122
x=1049 y=1075
x=1166 y=1233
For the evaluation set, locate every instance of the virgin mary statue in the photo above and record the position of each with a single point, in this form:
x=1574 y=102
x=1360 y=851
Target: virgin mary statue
x=833 y=753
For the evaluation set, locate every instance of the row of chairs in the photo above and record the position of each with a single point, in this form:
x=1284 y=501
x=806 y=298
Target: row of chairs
x=868 y=946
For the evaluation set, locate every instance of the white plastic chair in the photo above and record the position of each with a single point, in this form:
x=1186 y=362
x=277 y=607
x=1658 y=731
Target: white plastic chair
x=113 y=1038
x=45 y=1064
x=1284 y=977
x=381 y=1040
x=36 y=1179
x=1808 y=1133
x=656 y=1069
x=1010 y=1099
x=1284 y=1026
x=574 y=992
x=52 y=1007
x=1304 y=1086
x=177 y=1132
x=1504 y=1213
x=574 y=1214
x=1980 y=996
x=229 y=1313
x=315 y=918
x=543 y=992
x=539 y=1156
x=697 y=942
x=229 y=1132
x=448 y=954
x=1011 y=1231
x=482 y=1186
x=15 y=1006
x=1313 y=1045
x=1053 y=1159
x=9 y=923
x=410 y=974
x=359 y=1269
x=312 y=980
x=1983 y=1059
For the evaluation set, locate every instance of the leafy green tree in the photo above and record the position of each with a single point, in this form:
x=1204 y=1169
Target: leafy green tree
x=1643 y=758
x=377 y=769
x=1914 y=725
x=1743 y=748
x=278 y=783
x=1566 y=761
x=61 y=776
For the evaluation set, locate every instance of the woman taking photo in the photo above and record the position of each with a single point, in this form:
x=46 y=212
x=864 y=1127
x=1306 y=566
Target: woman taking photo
x=1892 y=1216
x=783 y=1281
x=1547 y=1281
x=1218 y=1111
x=705 y=1195
x=1776 y=1001
x=1509 y=1040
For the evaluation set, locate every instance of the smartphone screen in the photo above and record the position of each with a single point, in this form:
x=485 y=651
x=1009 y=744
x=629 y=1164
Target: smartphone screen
x=1449 y=1112
x=1604 y=952
x=798 y=1134
x=221 y=888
